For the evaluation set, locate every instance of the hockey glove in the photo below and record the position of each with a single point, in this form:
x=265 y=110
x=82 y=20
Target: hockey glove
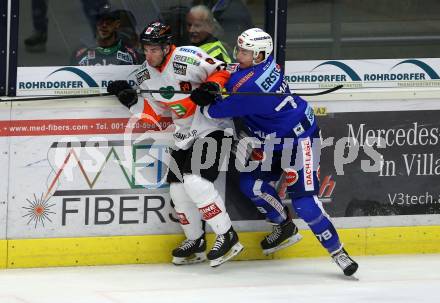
x=115 y=87
x=205 y=94
x=128 y=97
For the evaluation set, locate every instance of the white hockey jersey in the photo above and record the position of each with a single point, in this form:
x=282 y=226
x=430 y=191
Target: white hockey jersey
x=185 y=68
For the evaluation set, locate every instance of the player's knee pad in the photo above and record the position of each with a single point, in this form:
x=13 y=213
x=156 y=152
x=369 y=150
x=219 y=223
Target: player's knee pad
x=309 y=208
x=187 y=212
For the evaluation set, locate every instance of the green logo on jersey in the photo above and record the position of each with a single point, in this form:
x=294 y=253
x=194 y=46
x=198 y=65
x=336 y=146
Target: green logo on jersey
x=178 y=109
x=167 y=92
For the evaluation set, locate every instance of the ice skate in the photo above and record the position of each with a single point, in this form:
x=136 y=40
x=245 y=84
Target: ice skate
x=343 y=260
x=190 y=252
x=282 y=236
x=226 y=246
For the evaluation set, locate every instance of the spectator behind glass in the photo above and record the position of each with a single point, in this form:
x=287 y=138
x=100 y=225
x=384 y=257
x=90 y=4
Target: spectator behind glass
x=36 y=43
x=200 y=25
x=110 y=49
x=232 y=15
x=127 y=28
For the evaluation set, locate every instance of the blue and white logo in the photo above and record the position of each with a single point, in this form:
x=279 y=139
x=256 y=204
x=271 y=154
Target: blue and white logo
x=269 y=78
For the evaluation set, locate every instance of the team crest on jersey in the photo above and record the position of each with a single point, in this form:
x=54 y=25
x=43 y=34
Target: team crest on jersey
x=142 y=76
x=185 y=86
x=167 y=92
x=124 y=57
x=180 y=68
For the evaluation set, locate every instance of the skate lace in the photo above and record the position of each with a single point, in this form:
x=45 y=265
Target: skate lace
x=343 y=260
x=187 y=244
x=219 y=242
x=275 y=234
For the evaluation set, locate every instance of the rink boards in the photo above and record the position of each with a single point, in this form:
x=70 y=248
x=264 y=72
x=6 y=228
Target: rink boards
x=73 y=192
x=20 y=253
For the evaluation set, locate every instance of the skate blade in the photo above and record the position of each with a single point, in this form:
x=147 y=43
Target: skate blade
x=196 y=258
x=235 y=250
x=288 y=242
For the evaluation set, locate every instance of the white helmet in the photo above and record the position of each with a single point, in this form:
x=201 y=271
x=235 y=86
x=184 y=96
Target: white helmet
x=256 y=40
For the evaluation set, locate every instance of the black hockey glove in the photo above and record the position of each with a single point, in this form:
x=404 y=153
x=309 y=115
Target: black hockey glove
x=205 y=94
x=115 y=87
x=128 y=97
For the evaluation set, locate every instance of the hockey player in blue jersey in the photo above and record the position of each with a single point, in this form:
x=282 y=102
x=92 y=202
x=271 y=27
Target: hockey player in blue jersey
x=291 y=121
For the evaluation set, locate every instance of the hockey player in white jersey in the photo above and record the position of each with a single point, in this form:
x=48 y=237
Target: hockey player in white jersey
x=169 y=68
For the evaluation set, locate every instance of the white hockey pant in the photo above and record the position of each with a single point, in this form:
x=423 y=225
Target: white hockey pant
x=209 y=202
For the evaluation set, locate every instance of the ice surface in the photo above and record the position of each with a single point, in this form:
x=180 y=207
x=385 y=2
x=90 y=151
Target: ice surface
x=401 y=278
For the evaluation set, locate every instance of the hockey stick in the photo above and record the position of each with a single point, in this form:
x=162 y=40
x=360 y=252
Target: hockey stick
x=158 y=91
x=52 y=97
x=328 y=91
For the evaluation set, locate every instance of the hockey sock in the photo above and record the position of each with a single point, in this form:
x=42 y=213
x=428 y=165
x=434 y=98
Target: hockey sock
x=310 y=209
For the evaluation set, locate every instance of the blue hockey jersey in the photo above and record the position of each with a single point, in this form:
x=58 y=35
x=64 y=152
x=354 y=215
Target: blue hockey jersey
x=283 y=116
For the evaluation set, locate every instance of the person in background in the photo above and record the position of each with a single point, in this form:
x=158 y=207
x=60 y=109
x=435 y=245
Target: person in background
x=200 y=25
x=110 y=49
x=233 y=16
x=36 y=42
